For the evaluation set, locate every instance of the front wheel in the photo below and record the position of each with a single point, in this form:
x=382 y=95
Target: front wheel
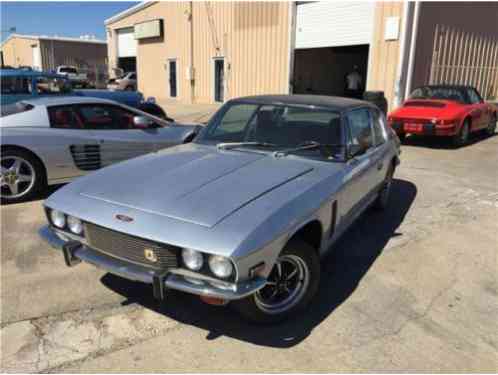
x=382 y=200
x=292 y=283
x=22 y=176
x=462 y=137
x=491 y=129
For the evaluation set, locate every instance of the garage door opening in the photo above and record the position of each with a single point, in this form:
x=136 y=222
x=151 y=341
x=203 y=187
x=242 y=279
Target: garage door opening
x=323 y=71
x=127 y=64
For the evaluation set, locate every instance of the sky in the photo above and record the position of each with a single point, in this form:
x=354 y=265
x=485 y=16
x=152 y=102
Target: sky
x=70 y=19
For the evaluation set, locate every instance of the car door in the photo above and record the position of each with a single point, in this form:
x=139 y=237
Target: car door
x=479 y=109
x=380 y=155
x=114 y=129
x=360 y=177
x=75 y=149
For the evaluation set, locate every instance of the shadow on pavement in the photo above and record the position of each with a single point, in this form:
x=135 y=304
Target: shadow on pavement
x=443 y=143
x=342 y=270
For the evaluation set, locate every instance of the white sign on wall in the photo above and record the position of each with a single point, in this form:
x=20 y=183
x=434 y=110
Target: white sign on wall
x=391 y=28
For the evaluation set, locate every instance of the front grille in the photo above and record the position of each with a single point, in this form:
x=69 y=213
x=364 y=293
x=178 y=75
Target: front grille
x=131 y=248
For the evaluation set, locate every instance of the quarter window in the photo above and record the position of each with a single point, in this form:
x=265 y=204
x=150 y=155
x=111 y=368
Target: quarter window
x=360 y=128
x=473 y=96
x=379 y=127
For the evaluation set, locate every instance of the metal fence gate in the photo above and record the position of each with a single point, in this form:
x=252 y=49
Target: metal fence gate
x=466 y=58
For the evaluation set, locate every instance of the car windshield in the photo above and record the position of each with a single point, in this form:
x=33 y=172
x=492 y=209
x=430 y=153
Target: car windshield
x=276 y=128
x=442 y=93
x=68 y=70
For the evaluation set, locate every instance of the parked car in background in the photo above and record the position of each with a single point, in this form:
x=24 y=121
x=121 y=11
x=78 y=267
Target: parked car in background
x=19 y=84
x=444 y=110
x=52 y=140
x=126 y=82
x=242 y=214
x=76 y=78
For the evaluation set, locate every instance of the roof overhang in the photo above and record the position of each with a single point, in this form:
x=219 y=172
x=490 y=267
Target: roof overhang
x=128 y=12
x=56 y=38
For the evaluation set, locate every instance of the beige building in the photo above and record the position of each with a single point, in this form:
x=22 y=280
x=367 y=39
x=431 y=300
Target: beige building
x=205 y=52
x=47 y=53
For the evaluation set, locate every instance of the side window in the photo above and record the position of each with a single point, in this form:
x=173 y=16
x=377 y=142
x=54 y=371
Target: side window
x=105 y=117
x=379 y=127
x=133 y=76
x=15 y=85
x=64 y=117
x=360 y=128
x=473 y=96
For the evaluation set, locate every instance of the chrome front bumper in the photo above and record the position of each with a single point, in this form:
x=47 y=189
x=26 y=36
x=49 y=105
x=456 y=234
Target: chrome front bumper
x=135 y=272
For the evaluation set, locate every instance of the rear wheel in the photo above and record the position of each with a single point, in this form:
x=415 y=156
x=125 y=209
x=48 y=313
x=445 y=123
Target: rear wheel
x=462 y=137
x=291 y=285
x=490 y=130
x=382 y=200
x=22 y=176
x=129 y=88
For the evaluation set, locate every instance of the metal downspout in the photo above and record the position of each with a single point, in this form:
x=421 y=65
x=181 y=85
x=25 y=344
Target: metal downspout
x=400 y=83
x=413 y=45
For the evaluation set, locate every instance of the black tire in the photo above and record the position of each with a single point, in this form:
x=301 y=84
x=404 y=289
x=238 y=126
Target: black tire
x=491 y=129
x=462 y=137
x=129 y=88
x=251 y=307
x=40 y=178
x=402 y=137
x=382 y=200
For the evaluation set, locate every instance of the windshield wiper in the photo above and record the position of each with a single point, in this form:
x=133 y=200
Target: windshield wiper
x=304 y=146
x=232 y=145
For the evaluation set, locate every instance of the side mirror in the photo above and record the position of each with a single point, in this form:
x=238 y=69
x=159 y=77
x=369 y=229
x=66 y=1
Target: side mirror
x=357 y=150
x=142 y=122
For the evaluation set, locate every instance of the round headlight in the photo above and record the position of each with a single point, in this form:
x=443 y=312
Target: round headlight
x=192 y=259
x=58 y=218
x=75 y=225
x=220 y=266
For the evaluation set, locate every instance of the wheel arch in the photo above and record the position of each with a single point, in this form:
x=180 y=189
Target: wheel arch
x=310 y=232
x=6 y=147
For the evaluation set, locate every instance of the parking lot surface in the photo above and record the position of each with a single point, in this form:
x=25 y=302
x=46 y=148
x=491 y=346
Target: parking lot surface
x=411 y=289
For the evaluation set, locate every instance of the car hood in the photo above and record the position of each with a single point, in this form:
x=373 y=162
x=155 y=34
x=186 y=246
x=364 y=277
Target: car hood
x=427 y=109
x=192 y=183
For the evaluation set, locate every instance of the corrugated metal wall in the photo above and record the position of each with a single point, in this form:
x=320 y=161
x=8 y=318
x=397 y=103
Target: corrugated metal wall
x=462 y=57
x=253 y=37
x=384 y=54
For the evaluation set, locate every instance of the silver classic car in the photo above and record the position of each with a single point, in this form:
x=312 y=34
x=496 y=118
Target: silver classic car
x=242 y=214
x=53 y=140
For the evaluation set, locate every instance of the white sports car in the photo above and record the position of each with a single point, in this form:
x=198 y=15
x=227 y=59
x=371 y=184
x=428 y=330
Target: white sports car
x=53 y=140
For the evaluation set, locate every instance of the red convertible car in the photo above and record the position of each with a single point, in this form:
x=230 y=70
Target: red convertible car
x=443 y=110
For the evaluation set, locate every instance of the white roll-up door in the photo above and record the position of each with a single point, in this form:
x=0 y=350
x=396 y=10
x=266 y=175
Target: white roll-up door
x=334 y=24
x=127 y=45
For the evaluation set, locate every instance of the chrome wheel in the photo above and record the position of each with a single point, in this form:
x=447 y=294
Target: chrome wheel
x=17 y=177
x=286 y=286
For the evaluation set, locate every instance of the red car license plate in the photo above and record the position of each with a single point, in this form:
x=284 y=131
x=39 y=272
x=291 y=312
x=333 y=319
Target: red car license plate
x=411 y=127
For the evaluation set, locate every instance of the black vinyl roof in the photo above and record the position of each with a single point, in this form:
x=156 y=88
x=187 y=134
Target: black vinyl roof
x=330 y=102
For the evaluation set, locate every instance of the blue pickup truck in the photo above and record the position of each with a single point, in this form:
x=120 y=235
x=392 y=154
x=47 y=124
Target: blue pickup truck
x=20 y=84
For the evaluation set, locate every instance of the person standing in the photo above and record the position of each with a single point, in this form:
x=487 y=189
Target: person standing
x=354 y=83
